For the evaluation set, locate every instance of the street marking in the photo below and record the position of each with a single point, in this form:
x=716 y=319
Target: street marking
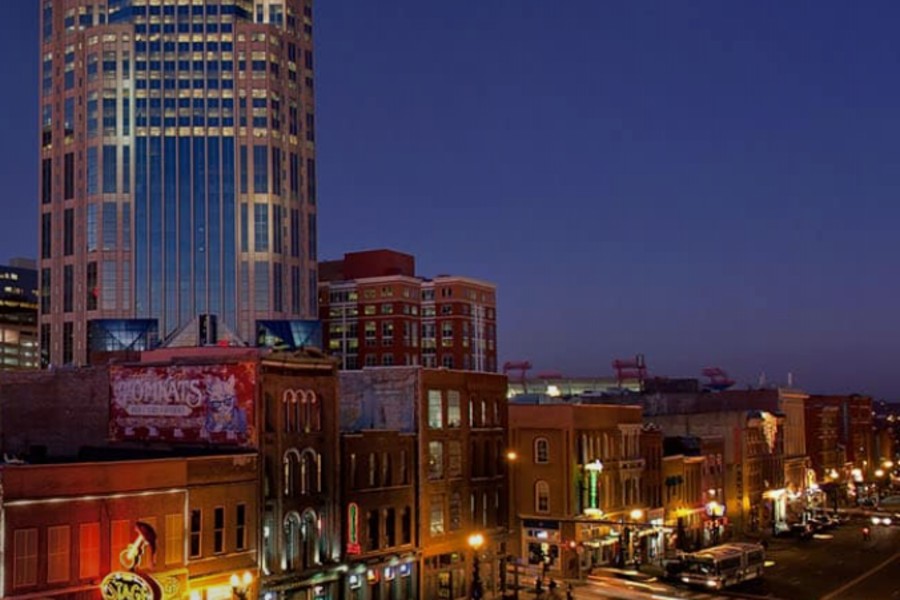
x=865 y=575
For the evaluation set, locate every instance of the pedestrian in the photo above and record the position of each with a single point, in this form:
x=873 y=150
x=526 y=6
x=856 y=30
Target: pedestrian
x=538 y=585
x=570 y=592
x=866 y=534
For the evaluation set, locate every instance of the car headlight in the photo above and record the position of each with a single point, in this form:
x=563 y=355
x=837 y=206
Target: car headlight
x=886 y=521
x=711 y=582
x=875 y=520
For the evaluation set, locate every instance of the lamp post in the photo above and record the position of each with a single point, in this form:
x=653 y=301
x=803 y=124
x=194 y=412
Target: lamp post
x=240 y=586
x=476 y=541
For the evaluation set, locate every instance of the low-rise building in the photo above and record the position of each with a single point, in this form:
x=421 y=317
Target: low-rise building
x=576 y=483
x=185 y=524
x=458 y=420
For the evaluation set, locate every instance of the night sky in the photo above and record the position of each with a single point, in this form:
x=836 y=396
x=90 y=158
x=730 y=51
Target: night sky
x=708 y=183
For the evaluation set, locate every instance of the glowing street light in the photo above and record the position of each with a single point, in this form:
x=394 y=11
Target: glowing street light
x=476 y=541
x=637 y=514
x=240 y=586
x=512 y=456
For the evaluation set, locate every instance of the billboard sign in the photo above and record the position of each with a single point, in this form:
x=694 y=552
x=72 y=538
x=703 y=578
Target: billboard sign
x=183 y=403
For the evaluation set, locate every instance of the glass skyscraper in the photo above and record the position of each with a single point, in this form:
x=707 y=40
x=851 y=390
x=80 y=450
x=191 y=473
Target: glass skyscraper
x=178 y=178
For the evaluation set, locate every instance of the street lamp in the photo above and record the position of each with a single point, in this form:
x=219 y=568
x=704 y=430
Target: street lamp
x=240 y=586
x=476 y=541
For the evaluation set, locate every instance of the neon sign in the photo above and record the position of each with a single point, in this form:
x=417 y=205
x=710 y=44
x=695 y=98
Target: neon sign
x=125 y=585
x=353 y=546
x=132 y=584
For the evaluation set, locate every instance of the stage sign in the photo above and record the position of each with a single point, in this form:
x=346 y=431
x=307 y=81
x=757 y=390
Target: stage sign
x=183 y=403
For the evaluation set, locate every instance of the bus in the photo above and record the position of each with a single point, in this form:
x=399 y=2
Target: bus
x=721 y=566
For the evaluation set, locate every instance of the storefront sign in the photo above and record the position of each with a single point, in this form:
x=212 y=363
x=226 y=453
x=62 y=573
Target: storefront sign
x=124 y=585
x=353 y=546
x=183 y=403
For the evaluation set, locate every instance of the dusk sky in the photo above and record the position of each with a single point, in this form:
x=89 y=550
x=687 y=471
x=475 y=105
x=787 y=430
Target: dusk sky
x=708 y=183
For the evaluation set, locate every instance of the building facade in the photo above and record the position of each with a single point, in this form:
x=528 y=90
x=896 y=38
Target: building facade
x=378 y=485
x=177 y=152
x=68 y=527
x=575 y=484
x=18 y=316
x=376 y=311
x=458 y=420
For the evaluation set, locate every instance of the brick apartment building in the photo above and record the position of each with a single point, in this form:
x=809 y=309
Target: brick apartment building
x=376 y=311
x=458 y=421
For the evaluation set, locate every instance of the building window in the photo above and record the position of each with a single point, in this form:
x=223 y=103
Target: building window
x=390 y=527
x=541 y=451
x=436 y=521
x=25 y=557
x=58 y=561
x=454 y=415
x=404 y=472
x=88 y=550
x=196 y=531
x=119 y=539
x=68 y=342
x=372 y=531
x=240 y=527
x=454 y=458
x=455 y=511
x=542 y=497
x=435 y=413
x=406 y=526
x=219 y=530
x=435 y=460
x=372 y=469
x=174 y=538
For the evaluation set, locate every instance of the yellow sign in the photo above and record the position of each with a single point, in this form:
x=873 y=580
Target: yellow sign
x=125 y=585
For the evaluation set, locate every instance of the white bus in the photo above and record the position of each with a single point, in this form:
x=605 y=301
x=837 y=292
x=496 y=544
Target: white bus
x=722 y=566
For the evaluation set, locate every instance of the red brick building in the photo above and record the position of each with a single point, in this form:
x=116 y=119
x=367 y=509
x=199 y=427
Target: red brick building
x=577 y=477
x=376 y=311
x=67 y=525
x=839 y=432
x=378 y=489
x=458 y=423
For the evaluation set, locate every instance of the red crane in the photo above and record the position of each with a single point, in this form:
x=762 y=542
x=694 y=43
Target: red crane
x=718 y=379
x=521 y=367
x=630 y=368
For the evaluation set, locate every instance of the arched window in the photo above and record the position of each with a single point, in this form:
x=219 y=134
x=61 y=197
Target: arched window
x=310 y=536
x=314 y=413
x=292 y=542
x=291 y=472
x=310 y=472
x=542 y=497
x=289 y=406
x=541 y=451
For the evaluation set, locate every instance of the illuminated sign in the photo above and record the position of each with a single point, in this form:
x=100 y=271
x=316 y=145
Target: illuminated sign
x=183 y=403
x=131 y=584
x=354 y=581
x=389 y=573
x=405 y=570
x=353 y=546
x=125 y=585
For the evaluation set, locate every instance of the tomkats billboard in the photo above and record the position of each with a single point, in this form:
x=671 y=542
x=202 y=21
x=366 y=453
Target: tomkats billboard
x=209 y=403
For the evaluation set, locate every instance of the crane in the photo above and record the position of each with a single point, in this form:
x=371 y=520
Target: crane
x=630 y=368
x=521 y=367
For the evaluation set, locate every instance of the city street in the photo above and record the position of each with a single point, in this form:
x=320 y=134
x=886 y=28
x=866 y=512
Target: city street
x=835 y=565
x=826 y=568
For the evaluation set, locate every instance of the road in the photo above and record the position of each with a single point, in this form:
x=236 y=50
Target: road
x=836 y=565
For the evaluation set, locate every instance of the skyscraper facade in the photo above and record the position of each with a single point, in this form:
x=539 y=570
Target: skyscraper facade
x=177 y=171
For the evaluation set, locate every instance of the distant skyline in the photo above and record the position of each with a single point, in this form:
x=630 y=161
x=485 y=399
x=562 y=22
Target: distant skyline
x=706 y=183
